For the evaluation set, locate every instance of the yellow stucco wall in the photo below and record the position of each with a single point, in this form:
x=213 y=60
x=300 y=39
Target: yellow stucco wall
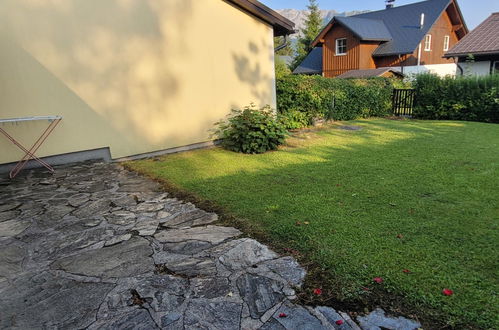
x=133 y=75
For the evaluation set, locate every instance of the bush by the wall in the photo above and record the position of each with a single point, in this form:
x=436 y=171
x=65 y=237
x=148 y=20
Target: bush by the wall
x=251 y=130
x=462 y=98
x=339 y=99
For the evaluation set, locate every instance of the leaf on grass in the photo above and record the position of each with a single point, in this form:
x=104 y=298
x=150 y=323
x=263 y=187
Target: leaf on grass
x=317 y=291
x=378 y=280
x=447 y=292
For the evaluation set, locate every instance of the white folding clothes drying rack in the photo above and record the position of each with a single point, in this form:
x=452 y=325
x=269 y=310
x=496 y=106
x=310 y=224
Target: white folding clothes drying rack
x=30 y=153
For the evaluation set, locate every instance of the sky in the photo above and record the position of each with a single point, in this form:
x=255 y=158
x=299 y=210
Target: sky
x=474 y=11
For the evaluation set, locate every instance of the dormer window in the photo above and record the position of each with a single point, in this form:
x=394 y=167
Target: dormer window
x=341 y=46
x=427 y=43
x=446 y=43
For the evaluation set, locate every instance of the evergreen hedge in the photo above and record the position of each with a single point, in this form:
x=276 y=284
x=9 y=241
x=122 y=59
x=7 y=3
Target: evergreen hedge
x=301 y=99
x=462 y=98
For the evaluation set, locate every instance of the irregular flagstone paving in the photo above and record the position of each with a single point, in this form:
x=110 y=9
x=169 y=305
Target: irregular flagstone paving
x=95 y=246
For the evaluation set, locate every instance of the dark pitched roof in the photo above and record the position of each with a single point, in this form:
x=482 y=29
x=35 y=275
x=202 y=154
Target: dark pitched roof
x=366 y=29
x=282 y=26
x=483 y=40
x=312 y=64
x=369 y=73
x=403 y=22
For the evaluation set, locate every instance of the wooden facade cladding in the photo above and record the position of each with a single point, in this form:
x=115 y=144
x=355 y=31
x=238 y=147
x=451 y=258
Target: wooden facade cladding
x=442 y=27
x=334 y=65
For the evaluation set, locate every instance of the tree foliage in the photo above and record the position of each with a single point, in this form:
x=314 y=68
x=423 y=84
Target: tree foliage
x=286 y=51
x=313 y=26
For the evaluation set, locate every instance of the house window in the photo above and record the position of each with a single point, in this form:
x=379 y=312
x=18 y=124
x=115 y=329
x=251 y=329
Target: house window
x=341 y=46
x=446 y=43
x=427 y=43
x=495 y=67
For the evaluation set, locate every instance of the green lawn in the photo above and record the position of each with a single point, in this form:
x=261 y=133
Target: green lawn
x=416 y=195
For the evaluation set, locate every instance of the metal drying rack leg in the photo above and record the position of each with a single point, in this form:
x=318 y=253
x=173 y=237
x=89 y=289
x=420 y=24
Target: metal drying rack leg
x=30 y=154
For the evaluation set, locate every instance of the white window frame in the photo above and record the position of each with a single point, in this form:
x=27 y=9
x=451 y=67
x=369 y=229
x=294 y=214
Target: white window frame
x=427 y=43
x=337 y=52
x=446 y=43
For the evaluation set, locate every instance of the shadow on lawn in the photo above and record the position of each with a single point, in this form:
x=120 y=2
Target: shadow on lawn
x=383 y=167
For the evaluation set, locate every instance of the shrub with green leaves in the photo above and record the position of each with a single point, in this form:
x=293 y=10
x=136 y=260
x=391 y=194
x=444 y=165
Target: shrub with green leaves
x=316 y=97
x=251 y=130
x=295 y=119
x=462 y=98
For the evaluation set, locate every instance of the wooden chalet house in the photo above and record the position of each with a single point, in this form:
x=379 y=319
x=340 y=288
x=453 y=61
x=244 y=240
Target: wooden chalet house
x=405 y=38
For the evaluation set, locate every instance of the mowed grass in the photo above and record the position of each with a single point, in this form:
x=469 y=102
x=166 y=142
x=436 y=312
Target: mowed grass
x=415 y=195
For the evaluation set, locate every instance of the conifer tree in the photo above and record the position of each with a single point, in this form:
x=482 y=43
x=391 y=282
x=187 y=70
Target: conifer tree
x=313 y=26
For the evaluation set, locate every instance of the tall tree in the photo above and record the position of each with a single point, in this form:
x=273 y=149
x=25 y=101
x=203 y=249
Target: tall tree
x=313 y=26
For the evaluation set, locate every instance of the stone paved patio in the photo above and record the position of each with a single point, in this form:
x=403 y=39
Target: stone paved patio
x=95 y=246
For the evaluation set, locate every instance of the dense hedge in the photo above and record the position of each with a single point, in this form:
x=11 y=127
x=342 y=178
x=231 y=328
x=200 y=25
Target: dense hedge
x=301 y=99
x=462 y=98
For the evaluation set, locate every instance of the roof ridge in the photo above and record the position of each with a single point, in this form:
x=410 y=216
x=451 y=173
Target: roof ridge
x=370 y=19
x=386 y=9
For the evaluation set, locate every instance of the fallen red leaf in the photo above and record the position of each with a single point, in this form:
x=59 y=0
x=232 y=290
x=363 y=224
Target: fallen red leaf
x=378 y=280
x=339 y=322
x=365 y=289
x=283 y=315
x=407 y=271
x=318 y=291
x=447 y=292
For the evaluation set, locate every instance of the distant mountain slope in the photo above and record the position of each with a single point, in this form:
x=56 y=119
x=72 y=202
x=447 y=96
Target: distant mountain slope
x=299 y=16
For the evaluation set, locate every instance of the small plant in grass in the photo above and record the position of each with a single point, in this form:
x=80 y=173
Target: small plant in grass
x=251 y=130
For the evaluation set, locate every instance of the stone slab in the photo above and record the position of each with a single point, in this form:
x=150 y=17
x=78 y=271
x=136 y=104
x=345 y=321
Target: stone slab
x=37 y=301
x=14 y=227
x=206 y=314
x=211 y=234
x=377 y=319
x=246 y=253
x=129 y=258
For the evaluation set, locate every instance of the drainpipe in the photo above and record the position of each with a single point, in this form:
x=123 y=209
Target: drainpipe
x=419 y=54
x=456 y=60
x=421 y=24
x=283 y=45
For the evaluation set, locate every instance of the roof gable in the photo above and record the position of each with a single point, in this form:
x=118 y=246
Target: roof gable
x=484 y=39
x=402 y=24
